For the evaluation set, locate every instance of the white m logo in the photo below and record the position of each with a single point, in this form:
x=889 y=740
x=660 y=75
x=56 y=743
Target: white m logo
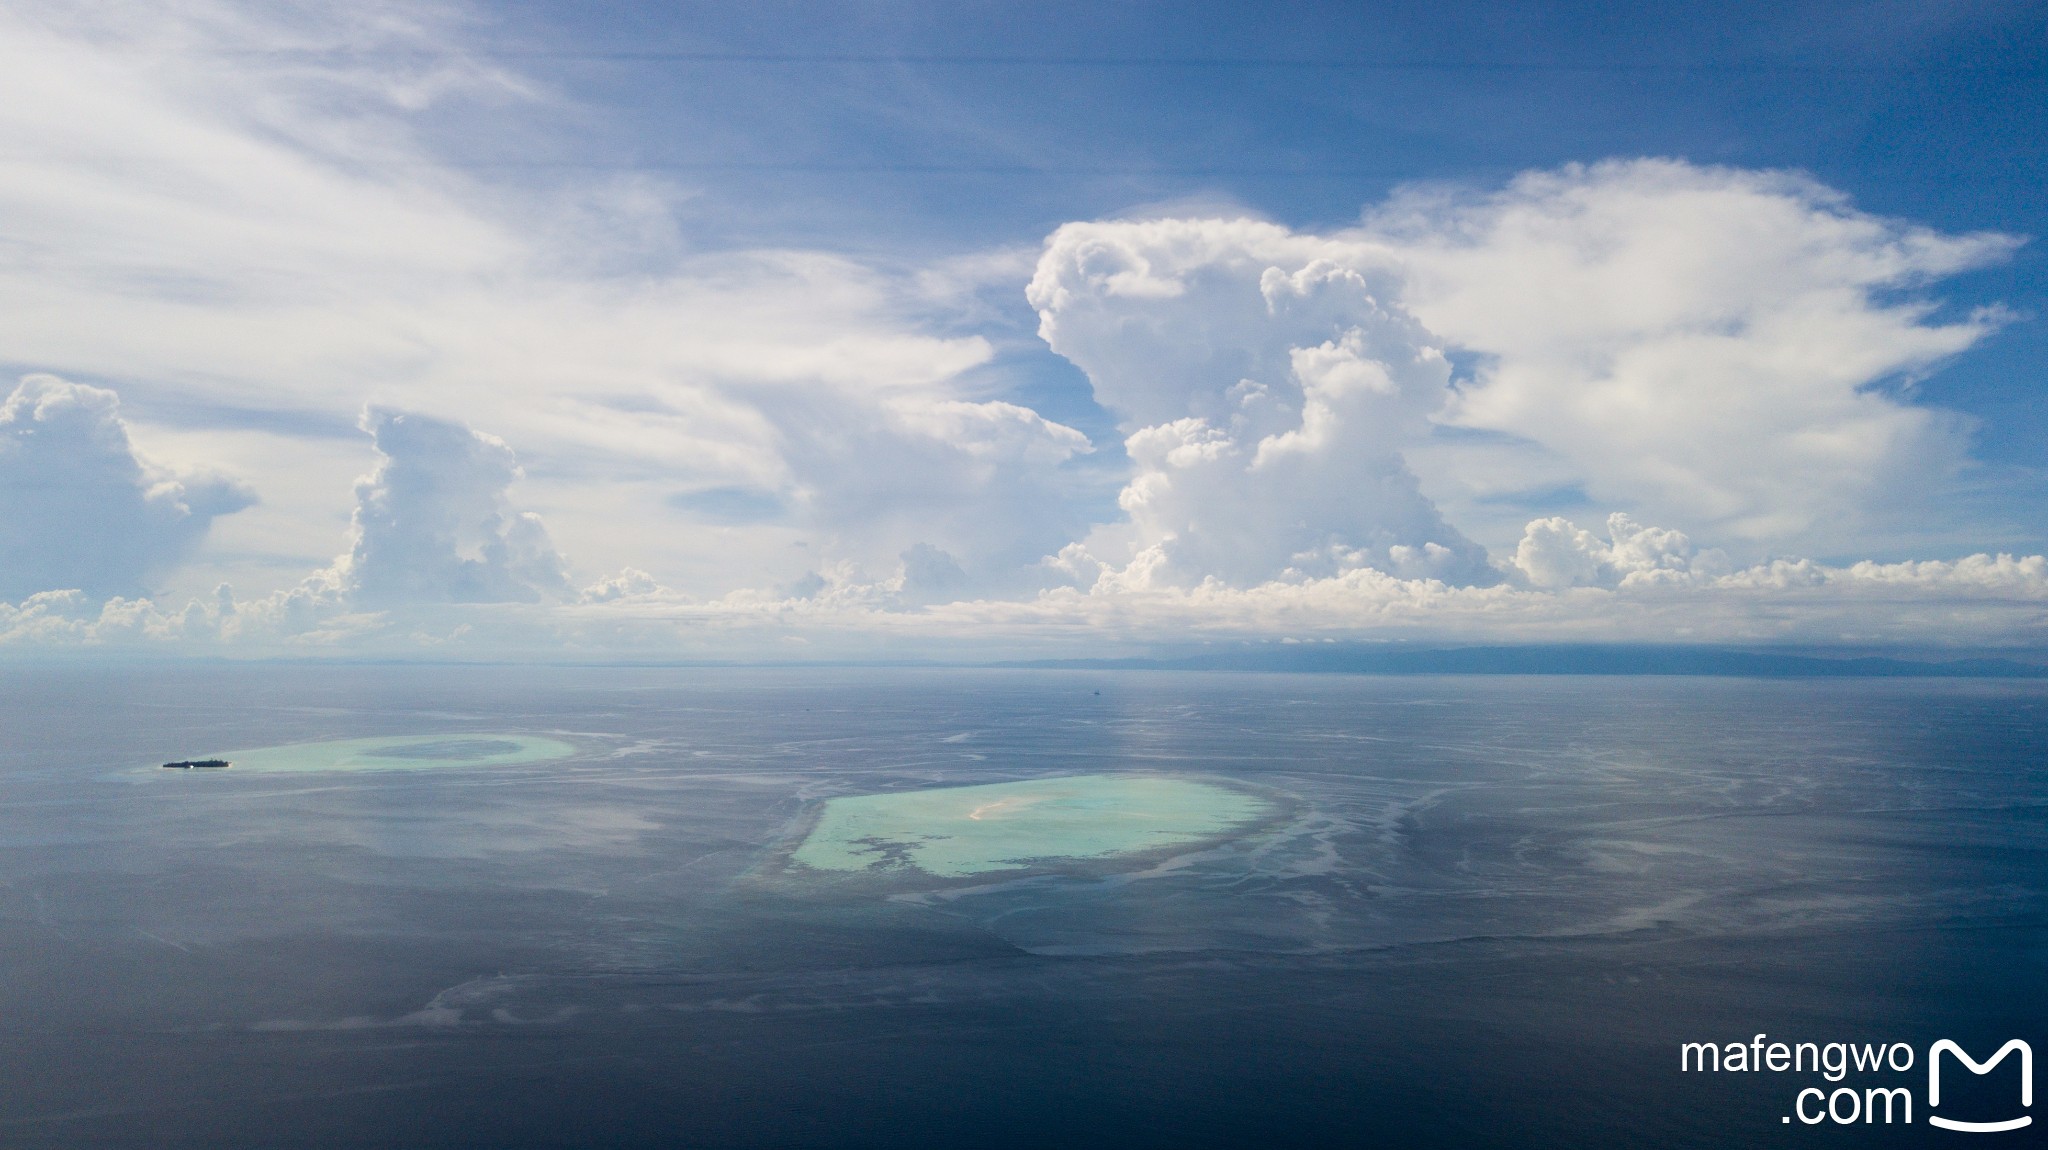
x=1976 y=1067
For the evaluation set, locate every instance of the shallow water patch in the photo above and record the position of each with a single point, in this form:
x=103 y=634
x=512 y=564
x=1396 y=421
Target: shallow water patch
x=956 y=831
x=402 y=753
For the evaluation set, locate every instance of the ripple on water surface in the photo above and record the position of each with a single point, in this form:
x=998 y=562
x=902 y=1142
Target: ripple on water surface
x=957 y=831
x=402 y=753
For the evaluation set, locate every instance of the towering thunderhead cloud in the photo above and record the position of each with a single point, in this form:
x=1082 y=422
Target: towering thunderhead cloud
x=1266 y=391
x=432 y=524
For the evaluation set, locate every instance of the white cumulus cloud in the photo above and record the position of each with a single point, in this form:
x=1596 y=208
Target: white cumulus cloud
x=1556 y=553
x=1267 y=383
x=243 y=216
x=433 y=523
x=244 y=210
x=79 y=509
x=1731 y=350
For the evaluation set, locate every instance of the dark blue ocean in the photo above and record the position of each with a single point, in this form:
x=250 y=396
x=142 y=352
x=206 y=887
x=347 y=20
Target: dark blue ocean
x=1489 y=913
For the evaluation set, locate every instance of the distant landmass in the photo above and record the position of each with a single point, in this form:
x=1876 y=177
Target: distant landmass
x=1556 y=660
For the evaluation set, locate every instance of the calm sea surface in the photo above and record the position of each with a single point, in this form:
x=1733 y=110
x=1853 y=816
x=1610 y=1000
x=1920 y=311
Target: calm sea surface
x=1486 y=911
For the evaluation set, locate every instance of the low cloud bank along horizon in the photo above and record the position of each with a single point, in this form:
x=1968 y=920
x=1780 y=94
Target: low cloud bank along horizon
x=372 y=403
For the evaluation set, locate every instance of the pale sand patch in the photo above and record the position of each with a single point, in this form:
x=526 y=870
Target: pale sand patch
x=955 y=831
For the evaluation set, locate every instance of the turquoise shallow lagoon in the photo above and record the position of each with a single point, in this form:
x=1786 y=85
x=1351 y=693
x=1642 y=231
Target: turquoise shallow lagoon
x=957 y=831
x=402 y=753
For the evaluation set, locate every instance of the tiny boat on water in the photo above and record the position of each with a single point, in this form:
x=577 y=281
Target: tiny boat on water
x=203 y=764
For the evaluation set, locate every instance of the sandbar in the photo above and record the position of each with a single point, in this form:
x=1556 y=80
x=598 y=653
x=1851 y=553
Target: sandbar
x=957 y=831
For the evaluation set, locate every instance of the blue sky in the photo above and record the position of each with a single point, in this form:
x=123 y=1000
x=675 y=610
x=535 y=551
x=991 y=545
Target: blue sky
x=924 y=130
x=716 y=320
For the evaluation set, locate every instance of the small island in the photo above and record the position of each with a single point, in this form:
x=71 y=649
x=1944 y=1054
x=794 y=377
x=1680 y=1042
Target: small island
x=199 y=764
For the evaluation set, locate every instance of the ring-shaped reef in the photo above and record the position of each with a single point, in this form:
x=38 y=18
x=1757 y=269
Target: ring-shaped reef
x=953 y=832
x=402 y=753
